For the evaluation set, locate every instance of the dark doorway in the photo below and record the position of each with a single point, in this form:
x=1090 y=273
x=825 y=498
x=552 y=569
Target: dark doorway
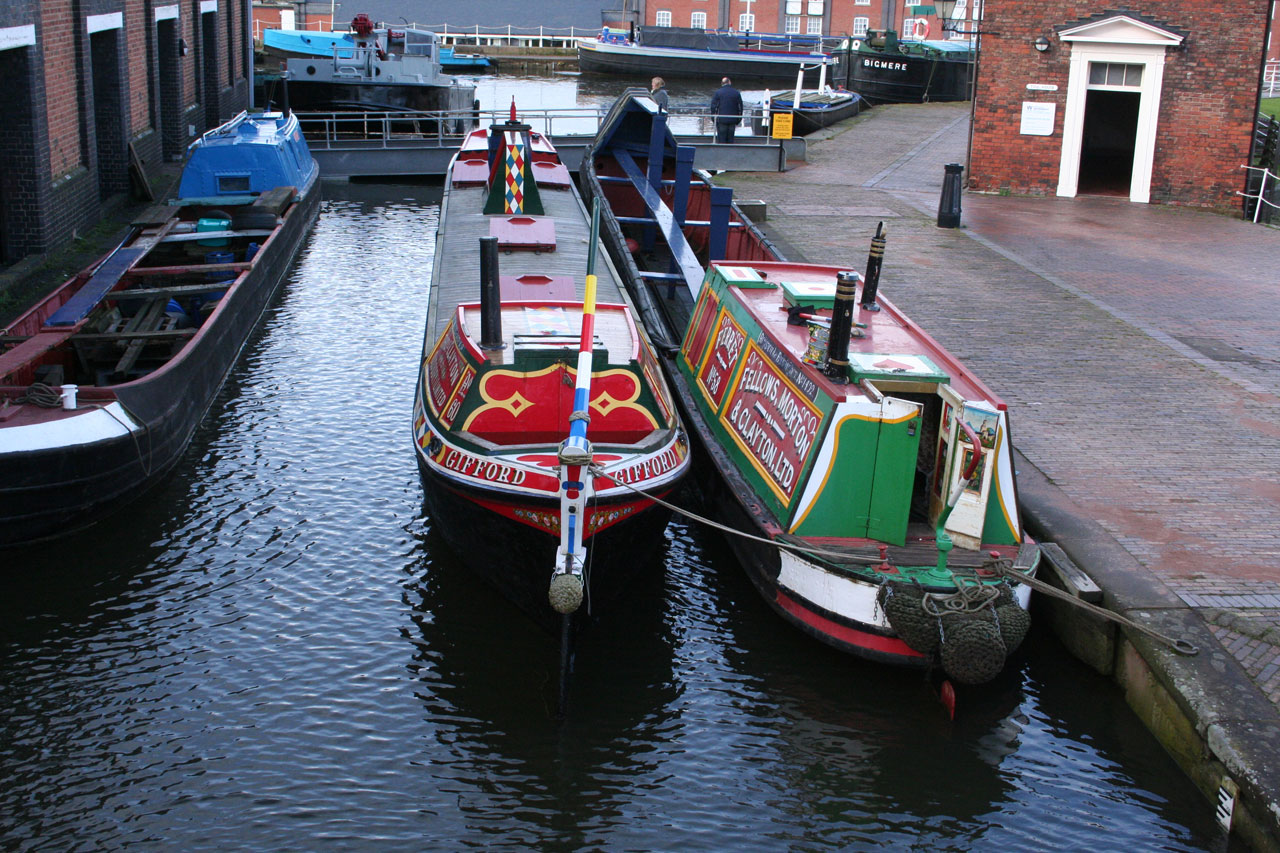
x=20 y=215
x=169 y=82
x=1107 y=144
x=108 y=113
x=209 y=57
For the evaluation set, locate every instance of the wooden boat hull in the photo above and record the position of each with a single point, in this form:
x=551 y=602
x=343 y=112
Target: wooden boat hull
x=50 y=492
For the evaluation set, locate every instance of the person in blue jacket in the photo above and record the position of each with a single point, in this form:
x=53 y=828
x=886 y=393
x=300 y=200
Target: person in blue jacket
x=726 y=106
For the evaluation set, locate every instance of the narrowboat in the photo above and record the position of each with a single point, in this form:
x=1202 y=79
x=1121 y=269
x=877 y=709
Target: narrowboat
x=103 y=382
x=810 y=109
x=685 y=52
x=544 y=429
x=886 y=70
x=869 y=473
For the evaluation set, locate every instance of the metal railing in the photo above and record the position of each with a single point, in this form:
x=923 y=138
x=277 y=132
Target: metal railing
x=1261 y=205
x=1271 y=79
x=397 y=128
x=510 y=35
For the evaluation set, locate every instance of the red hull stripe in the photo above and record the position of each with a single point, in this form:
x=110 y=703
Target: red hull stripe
x=845 y=634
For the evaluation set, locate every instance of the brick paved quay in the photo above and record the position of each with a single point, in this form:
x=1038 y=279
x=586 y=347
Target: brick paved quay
x=1138 y=348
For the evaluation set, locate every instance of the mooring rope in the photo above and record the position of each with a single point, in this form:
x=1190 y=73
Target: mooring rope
x=783 y=546
x=1005 y=568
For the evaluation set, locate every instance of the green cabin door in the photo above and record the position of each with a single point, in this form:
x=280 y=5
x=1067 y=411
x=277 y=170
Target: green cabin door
x=894 y=473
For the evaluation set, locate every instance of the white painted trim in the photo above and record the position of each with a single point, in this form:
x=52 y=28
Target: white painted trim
x=87 y=426
x=166 y=13
x=207 y=6
x=1121 y=28
x=102 y=23
x=11 y=37
x=843 y=596
x=1151 y=57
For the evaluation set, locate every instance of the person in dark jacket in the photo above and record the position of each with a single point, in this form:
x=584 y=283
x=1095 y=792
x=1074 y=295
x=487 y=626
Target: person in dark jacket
x=726 y=106
x=658 y=91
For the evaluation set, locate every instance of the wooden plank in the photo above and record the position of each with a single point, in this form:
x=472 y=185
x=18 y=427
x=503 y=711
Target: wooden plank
x=275 y=200
x=98 y=337
x=235 y=266
x=170 y=292
x=1073 y=579
x=145 y=320
x=216 y=235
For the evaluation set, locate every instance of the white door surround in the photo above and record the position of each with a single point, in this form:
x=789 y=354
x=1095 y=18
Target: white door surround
x=1124 y=40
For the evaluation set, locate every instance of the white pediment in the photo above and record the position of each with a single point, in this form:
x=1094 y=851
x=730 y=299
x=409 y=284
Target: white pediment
x=1121 y=29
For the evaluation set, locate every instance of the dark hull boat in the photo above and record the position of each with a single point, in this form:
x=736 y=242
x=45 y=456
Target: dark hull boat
x=104 y=381
x=810 y=109
x=540 y=408
x=375 y=73
x=887 y=71
x=877 y=478
x=682 y=52
x=818 y=109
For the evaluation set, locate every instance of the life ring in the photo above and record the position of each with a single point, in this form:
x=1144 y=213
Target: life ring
x=920 y=29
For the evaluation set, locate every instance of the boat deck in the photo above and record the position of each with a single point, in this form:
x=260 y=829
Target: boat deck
x=524 y=273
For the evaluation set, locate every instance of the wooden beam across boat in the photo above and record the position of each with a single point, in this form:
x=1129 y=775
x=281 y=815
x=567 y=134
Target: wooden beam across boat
x=234 y=266
x=97 y=337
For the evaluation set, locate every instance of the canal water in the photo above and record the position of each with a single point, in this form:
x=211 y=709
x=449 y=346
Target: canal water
x=275 y=651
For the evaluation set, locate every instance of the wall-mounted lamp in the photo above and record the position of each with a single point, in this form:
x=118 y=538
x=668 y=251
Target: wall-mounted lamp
x=1042 y=44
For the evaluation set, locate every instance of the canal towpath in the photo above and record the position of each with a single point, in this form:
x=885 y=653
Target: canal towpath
x=1138 y=349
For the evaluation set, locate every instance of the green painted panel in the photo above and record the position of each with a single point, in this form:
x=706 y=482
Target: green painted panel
x=895 y=474
x=844 y=506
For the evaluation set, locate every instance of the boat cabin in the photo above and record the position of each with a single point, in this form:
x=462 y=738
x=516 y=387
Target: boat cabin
x=874 y=457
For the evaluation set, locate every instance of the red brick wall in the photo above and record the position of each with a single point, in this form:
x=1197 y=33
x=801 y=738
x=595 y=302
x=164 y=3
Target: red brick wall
x=838 y=14
x=136 y=28
x=66 y=151
x=1206 y=106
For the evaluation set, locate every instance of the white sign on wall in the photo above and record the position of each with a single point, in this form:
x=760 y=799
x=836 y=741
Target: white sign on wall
x=1037 y=118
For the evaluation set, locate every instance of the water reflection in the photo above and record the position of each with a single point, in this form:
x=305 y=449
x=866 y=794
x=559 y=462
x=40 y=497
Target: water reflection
x=273 y=650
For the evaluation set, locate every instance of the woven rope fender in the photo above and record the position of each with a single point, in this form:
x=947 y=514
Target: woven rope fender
x=565 y=592
x=972 y=650
x=902 y=607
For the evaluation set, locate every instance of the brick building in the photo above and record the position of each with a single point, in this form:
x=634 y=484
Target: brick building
x=86 y=80
x=800 y=17
x=1154 y=101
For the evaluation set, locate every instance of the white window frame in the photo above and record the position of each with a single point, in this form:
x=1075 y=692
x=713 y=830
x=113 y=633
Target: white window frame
x=814 y=27
x=747 y=22
x=662 y=18
x=698 y=20
x=862 y=2
x=791 y=25
x=860 y=27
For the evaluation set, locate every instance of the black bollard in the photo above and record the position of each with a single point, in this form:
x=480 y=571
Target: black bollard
x=871 y=281
x=841 y=326
x=490 y=296
x=949 y=204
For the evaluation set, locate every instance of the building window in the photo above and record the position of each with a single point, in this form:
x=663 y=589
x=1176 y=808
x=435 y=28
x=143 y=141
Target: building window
x=862 y=2
x=909 y=27
x=815 y=26
x=698 y=20
x=1114 y=74
x=792 y=24
x=747 y=23
x=860 y=27
x=662 y=19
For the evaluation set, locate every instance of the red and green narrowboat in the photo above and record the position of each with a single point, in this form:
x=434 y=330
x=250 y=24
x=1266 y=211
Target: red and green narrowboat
x=870 y=471
x=543 y=425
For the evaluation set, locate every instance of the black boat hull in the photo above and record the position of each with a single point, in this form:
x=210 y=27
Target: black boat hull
x=904 y=79
x=518 y=560
x=48 y=493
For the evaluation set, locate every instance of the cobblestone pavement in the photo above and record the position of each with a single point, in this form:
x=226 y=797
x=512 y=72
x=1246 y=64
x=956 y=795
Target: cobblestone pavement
x=1138 y=346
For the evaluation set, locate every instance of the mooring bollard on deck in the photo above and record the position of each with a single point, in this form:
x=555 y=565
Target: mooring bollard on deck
x=949 y=204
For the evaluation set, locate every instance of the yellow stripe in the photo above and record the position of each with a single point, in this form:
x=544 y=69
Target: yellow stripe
x=589 y=301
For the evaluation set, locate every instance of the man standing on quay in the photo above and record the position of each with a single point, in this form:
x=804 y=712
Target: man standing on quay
x=726 y=106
